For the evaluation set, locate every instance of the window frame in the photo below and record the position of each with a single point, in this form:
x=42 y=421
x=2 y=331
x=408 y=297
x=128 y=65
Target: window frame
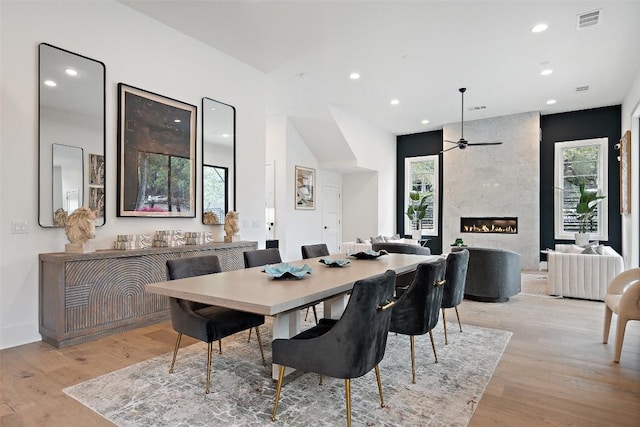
x=408 y=184
x=558 y=175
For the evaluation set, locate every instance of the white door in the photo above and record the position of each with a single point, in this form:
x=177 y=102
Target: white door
x=331 y=211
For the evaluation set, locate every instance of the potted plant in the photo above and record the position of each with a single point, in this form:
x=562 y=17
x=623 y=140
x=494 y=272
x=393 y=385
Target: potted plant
x=416 y=212
x=586 y=212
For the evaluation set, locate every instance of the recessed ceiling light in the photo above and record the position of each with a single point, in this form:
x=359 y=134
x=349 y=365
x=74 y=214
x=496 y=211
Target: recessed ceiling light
x=225 y=135
x=551 y=102
x=546 y=72
x=539 y=28
x=177 y=121
x=425 y=122
x=71 y=72
x=50 y=83
x=354 y=76
x=395 y=102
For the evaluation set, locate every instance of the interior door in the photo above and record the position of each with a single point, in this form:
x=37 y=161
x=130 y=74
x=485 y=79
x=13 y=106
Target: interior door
x=331 y=218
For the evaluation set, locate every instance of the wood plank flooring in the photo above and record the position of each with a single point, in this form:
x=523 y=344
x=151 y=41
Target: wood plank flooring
x=554 y=372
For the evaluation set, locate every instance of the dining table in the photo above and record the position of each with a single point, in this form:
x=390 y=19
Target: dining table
x=252 y=290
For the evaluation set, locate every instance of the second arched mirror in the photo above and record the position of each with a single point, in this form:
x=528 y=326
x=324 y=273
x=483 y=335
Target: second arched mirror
x=218 y=160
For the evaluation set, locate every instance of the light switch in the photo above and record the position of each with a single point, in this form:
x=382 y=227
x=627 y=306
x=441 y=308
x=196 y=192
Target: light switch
x=19 y=226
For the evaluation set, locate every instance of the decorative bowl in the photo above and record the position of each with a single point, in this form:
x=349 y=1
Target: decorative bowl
x=287 y=271
x=370 y=254
x=335 y=262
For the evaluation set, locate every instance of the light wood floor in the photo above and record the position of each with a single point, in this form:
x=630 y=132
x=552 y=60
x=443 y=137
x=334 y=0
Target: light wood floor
x=554 y=372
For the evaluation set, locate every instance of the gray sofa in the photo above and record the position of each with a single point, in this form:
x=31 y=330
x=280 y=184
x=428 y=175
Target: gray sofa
x=493 y=275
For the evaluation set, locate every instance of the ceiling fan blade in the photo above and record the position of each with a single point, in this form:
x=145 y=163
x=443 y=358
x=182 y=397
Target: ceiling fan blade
x=484 y=143
x=451 y=142
x=448 y=149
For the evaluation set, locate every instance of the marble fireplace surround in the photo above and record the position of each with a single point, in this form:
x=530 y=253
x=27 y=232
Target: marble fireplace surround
x=495 y=181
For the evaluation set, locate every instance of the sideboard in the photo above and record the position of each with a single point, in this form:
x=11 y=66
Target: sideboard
x=88 y=296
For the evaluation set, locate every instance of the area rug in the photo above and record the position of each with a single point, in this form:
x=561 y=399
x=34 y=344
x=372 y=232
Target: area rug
x=242 y=392
x=535 y=283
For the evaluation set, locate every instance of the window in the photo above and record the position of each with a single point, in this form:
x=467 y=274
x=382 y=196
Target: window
x=421 y=175
x=577 y=161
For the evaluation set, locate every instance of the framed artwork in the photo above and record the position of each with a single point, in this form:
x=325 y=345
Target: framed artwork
x=305 y=188
x=625 y=173
x=96 y=169
x=96 y=201
x=156 y=155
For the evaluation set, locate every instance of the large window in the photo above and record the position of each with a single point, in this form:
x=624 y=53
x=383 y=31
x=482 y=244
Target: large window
x=576 y=162
x=421 y=175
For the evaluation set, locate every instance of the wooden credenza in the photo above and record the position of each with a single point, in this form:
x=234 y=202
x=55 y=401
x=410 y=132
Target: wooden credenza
x=89 y=296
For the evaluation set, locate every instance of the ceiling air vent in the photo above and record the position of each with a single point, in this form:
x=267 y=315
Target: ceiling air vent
x=582 y=89
x=588 y=19
x=477 y=107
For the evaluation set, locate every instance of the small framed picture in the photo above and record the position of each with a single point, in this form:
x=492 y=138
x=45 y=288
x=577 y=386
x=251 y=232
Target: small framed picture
x=305 y=188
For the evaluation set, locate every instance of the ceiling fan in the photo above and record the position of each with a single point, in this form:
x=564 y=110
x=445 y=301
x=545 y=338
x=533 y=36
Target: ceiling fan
x=463 y=143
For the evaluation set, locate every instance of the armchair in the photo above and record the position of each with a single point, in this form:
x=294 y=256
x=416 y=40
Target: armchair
x=418 y=308
x=206 y=323
x=623 y=298
x=347 y=348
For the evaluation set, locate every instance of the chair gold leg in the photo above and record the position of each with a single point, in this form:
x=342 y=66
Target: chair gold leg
x=315 y=314
x=433 y=344
x=209 y=347
x=413 y=359
x=379 y=386
x=347 y=389
x=175 y=352
x=607 y=324
x=278 y=388
x=264 y=363
x=458 y=316
x=444 y=323
x=219 y=346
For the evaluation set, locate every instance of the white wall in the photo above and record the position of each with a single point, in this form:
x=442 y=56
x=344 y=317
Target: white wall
x=139 y=52
x=631 y=222
x=495 y=181
x=375 y=150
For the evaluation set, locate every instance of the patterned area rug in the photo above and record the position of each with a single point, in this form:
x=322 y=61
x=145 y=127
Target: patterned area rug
x=242 y=392
x=535 y=283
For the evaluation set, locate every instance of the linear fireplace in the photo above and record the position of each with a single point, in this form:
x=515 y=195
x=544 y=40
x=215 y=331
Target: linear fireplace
x=508 y=225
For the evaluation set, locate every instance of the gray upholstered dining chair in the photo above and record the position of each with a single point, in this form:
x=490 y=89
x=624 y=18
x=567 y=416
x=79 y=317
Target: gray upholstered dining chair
x=261 y=257
x=417 y=310
x=314 y=251
x=453 y=293
x=258 y=258
x=204 y=322
x=347 y=348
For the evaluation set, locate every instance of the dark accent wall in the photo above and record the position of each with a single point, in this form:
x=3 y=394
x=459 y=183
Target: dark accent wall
x=414 y=145
x=575 y=125
x=585 y=124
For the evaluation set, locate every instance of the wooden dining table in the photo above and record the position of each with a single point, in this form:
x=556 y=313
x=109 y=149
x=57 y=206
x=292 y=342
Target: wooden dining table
x=254 y=291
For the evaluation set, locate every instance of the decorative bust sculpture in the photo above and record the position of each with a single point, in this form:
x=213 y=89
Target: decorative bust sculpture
x=60 y=218
x=231 y=226
x=79 y=229
x=210 y=218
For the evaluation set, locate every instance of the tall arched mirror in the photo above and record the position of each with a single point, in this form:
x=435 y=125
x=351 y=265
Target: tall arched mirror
x=72 y=135
x=218 y=160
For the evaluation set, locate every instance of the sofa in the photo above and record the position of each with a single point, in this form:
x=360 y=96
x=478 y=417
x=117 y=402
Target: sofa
x=493 y=275
x=361 y=245
x=576 y=274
